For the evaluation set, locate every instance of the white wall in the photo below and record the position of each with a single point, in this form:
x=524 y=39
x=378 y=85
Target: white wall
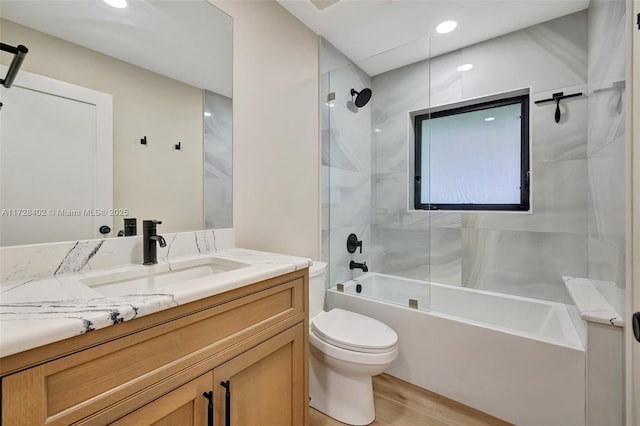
x=275 y=129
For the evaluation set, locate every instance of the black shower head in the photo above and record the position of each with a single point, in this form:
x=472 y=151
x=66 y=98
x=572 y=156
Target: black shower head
x=362 y=97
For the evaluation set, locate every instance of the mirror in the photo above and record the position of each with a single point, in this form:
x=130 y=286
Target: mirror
x=165 y=69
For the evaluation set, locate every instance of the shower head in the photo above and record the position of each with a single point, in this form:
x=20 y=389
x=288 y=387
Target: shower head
x=362 y=97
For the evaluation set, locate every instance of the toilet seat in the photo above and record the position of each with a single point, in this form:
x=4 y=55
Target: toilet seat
x=352 y=357
x=353 y=332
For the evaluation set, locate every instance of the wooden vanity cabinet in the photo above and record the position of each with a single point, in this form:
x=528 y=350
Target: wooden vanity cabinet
x=160 y=369
x=184 y=406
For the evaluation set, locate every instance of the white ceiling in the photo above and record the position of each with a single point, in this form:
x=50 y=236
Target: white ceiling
x=380 y=35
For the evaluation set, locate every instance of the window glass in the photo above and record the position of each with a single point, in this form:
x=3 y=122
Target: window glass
x=474 y=157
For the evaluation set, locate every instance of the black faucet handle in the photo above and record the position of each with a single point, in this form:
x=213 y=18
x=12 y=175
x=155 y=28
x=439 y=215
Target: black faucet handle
x=353 y=243
x=151 y=223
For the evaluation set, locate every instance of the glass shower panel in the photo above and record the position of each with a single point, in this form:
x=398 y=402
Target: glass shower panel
x=349 y=170
x=367 y=158
x=400 y=232
x=445 y=236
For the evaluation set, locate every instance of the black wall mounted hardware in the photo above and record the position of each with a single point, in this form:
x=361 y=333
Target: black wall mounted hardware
x=227 y=403
x=130 y=227
x=178 y=146
x=557 y=97
x=20 y=52
x=209 y=396
x=356 y=265
x=353 y=243
x=362 y=97
x=143 y=141
x=635 y=319
x=104 y=229
x=638 y=20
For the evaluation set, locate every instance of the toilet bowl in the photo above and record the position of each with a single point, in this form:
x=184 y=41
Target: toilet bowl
x=346 y=350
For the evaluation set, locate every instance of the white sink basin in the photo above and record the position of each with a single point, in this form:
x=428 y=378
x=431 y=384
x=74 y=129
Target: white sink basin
x=156 y=279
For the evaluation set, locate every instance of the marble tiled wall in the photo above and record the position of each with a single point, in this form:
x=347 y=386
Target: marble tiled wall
x=606 y=141
x=218 y=161
x=522 y=254
x=346 y=163
x=37 y=261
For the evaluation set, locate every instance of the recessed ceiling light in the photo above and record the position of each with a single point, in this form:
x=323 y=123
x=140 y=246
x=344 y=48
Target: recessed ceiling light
x=377 y=130
x=446 y=27
x=489 y=119
x=207 y=114
x=120 y=4
x=465 y=67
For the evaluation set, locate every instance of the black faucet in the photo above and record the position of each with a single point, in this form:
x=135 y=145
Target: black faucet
x=356 y=265
x=149 y=238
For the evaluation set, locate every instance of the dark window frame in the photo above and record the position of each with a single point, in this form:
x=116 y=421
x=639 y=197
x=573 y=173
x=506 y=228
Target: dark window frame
x=510 y=99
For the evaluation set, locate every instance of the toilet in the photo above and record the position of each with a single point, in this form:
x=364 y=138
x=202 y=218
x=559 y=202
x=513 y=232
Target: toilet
x=346 y=350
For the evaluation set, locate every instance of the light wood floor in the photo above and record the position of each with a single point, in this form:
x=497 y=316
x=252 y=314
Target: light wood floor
x=399 y=403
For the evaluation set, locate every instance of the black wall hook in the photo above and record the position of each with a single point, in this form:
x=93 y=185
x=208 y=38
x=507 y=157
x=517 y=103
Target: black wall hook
x=557 y=97
x=143 y=141
x=178 y=146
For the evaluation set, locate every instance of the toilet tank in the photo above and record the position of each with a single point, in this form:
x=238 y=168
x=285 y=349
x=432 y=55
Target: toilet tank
x=317 y=287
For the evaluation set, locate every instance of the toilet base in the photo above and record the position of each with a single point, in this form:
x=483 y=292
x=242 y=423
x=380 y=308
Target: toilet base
x=346 y=398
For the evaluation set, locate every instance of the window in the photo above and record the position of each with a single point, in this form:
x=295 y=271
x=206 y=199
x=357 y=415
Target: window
x=474 y=156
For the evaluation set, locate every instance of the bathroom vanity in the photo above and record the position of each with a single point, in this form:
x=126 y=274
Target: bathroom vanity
x=239 y=354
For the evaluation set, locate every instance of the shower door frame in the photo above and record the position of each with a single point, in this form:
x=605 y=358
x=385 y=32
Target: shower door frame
x=633 y=258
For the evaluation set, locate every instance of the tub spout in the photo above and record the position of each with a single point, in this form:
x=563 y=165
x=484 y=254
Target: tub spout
x=356 y=265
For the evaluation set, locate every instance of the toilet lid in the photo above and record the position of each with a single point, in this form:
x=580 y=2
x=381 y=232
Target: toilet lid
x=352 y=331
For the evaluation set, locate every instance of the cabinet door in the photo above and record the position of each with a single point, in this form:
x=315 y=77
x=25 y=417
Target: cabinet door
x=266 y=384
x=184 y=406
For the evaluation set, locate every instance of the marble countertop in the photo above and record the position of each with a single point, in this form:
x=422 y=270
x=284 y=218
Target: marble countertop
x=590 y=301
x=36 y=312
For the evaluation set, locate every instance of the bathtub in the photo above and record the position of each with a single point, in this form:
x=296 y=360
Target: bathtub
x=516 y=358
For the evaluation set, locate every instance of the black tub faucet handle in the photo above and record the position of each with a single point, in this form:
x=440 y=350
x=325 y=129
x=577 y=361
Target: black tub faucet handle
x=353 y=243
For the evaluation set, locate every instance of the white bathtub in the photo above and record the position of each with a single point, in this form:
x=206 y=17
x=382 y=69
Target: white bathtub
x=516 y=358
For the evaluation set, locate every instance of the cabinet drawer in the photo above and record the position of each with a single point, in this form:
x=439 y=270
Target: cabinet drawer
x=70 y=388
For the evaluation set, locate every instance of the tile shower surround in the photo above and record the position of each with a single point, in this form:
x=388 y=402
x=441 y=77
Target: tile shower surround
x=606 y=141
x=522 y=254
x=218 y=161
